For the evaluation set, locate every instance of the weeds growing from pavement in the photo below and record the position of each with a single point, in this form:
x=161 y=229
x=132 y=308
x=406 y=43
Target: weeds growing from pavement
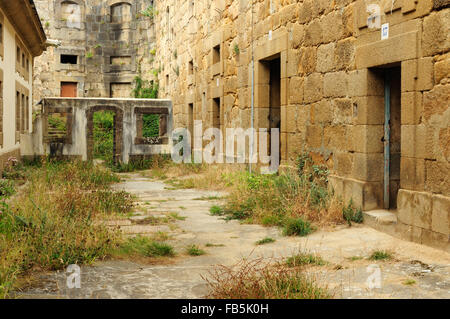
x=54 y=221
x=258 y=279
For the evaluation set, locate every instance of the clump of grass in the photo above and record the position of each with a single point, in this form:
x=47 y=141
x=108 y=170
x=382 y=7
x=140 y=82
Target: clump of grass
x=54 y=221
x=214 y=245
x=264 y=241
x=216 y=210
x=146 y=247
x=194 y=250
x=381 y=255
x=351 y=214
x=297 y=227
x=355 y=258
x=302 y=259
x=208 y=198
x=6 y=188
x=176 y=216
x=257 y=279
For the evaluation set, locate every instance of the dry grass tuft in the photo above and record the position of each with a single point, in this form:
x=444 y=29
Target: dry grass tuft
x=54 y=221
x=260 y=279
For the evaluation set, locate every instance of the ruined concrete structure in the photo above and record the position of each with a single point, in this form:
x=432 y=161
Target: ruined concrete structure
x=322 y=74
x=22 y=38
x=77 y=140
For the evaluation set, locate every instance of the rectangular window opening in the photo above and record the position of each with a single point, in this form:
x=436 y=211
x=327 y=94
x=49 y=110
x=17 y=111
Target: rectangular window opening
x=216 y=54
x=69 y=59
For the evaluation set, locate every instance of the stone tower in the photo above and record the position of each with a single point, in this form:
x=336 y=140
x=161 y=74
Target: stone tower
x=103 y=44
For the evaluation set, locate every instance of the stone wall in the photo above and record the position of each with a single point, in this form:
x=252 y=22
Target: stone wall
x=331 y=87
x=109 y=38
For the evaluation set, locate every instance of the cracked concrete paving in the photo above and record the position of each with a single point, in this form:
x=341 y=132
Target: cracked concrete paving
x=346 y=277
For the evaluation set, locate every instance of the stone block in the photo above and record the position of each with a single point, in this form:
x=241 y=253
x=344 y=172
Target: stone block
x=414 y=138
x=325 y=58
x=368 y=110
x=415 y=208
x=397 y=48
x=368 y=138
x=442 y=70
x=308 y=60
x=344 y=57
x=437 y=177
x=412 y=108
x=369 y=167
x=435 y=102
x=313 y=33
x=436 y=32
x=335 y=84
x=321 y=112
x=314 y=136
x=313 y=88
x=417 y=75
x=342 y=111
x=335 y=138
x=296 y=90
x=344 y=163
x=365 y=82
x=412 y=173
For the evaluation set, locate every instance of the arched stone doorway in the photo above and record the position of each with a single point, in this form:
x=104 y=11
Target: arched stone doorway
x=118 y=131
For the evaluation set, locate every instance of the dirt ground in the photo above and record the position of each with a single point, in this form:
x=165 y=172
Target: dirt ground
x=414 y=272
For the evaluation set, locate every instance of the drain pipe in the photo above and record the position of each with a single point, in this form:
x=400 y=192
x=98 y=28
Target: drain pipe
x=52 y=43
x=252 y=102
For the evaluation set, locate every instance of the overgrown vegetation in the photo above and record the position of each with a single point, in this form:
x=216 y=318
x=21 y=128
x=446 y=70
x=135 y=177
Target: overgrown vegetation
x=56 y=219
x=194 y=250
x=257 y=279
x=297 y=201
x=288 y=200
x=103 y=135
x=146 y=247
x=302 y=259
x=264 y=241
x=381 y=255
x=351 y=214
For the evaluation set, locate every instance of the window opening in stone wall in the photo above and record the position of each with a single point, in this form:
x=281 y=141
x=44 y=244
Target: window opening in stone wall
x=69 y=59
x=216 y=54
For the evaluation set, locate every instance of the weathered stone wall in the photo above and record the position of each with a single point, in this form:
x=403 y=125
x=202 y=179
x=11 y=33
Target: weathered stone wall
x=110 y=38
x=330 y=86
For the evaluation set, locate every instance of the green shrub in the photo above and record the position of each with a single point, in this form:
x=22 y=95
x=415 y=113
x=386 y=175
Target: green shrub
x=351 y=214
x=195 y=251
x=296 y=227
x=6 y=188
x=381 y=255
x=216 y=210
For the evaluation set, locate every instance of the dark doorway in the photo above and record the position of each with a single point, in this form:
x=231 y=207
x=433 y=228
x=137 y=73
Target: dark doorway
x=69 y=89
x=272 y=71
x=392 y=136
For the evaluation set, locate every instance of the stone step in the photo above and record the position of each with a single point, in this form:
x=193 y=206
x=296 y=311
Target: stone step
x=380 y=217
